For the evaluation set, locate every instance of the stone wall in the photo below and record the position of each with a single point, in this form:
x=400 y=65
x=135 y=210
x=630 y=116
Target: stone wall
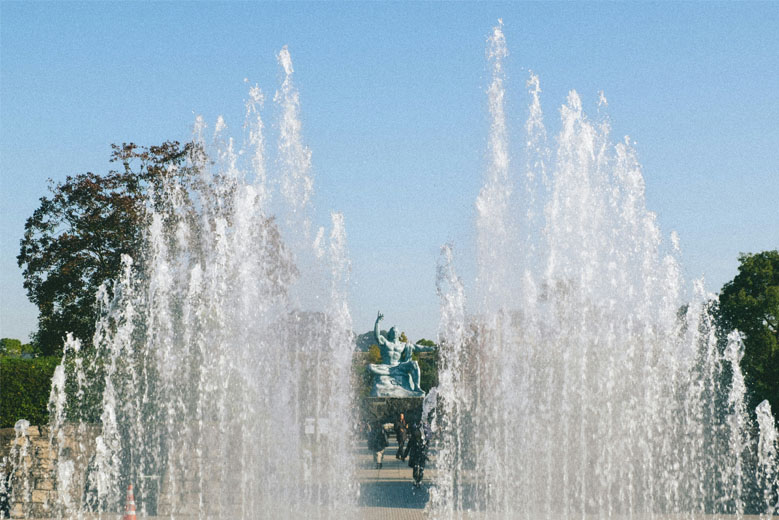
x=28 y=467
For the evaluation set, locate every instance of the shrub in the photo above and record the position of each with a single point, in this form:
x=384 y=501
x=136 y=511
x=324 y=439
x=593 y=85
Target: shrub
x=25 y=385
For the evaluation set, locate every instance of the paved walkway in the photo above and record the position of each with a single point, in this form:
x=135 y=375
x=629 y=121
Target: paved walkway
x=388 y=493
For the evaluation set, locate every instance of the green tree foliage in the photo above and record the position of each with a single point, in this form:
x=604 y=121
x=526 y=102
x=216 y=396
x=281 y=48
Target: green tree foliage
x=15 y=348
x=74 y=241
x=428 y=365
x=374 y=354
x=403 y=337
x=26 y=384
x=362 y=380
x=750 y=303
x=10 y=346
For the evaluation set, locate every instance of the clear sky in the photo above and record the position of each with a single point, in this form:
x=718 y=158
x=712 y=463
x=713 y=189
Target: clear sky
x=394 y=110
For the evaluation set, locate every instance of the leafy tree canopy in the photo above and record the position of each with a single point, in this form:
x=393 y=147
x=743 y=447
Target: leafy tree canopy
x=74 y=241
x=374 y=354
x=10 y=346
x=750 y=303
x=14 y=348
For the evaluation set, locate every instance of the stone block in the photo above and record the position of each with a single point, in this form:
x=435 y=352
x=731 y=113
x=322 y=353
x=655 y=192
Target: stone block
x=21 y=442
x=41 y=496
x=45 y=466
x=45 y=454
x=17 y=511
x=40 y=510
x=39 y=441
x=45 y=484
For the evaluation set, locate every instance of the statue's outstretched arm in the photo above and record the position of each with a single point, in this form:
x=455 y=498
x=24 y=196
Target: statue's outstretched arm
x=424 y=348
x=376 y=332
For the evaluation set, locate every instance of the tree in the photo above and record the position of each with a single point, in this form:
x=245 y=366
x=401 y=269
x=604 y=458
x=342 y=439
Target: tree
x=74 y=241
x=750 y=303
x=15 y=348
x=10 y=346
x=428 y=365
x=374 y=354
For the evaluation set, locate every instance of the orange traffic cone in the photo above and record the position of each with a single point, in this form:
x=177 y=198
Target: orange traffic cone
x=129 y=508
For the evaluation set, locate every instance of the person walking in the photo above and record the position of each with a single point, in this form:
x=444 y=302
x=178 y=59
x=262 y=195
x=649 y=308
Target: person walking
x=401 y=434
x=417 y=452
x=377 y=442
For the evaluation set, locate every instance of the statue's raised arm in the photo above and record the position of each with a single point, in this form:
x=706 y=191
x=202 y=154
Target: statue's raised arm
x=380 y=340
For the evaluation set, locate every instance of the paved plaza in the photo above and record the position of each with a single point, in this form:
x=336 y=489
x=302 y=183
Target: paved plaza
x=388 y=493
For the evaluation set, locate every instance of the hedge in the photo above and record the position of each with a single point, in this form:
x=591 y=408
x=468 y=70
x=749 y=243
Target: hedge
x=25 y=385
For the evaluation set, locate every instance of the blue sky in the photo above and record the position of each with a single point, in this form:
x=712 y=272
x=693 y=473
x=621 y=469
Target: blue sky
x=394 y=111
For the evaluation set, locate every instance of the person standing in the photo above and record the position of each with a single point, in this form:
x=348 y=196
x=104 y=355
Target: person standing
x=401 y=434
x=377 y=442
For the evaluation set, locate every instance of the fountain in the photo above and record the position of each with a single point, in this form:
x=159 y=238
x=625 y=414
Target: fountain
x=224 y=348
x=587 y=383
x=767 y=459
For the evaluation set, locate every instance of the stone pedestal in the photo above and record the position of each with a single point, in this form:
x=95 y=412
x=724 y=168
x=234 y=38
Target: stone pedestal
x=393 y=386
x=387 y=409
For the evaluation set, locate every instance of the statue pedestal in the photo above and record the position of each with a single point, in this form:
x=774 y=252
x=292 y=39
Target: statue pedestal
x=387 y=409
x=393 y=385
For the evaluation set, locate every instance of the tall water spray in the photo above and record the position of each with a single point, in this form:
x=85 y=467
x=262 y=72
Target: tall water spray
x=584 y=380
x=768 y=464
x=226 y=344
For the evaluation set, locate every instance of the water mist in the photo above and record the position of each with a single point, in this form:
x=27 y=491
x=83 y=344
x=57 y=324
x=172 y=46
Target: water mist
x=225 y=345
x=583 y=380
